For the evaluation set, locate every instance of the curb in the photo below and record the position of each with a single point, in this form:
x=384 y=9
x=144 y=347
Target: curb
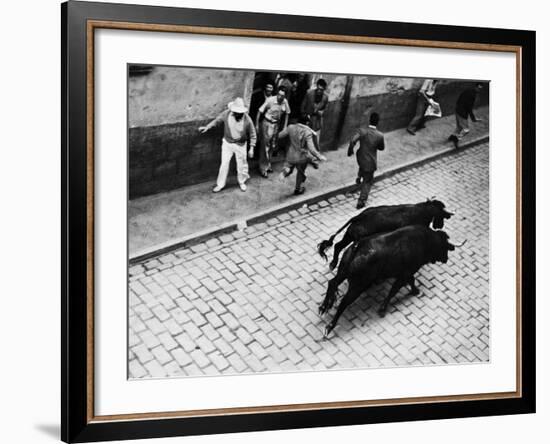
x=201 y=236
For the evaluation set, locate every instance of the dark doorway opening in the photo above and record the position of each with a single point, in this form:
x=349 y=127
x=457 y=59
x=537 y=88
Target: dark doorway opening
x=296 y=86
x=261 y=79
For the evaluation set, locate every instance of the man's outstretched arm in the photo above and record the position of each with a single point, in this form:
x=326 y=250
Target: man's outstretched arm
x=219 y=118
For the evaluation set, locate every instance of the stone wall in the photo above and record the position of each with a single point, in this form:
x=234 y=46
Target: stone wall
x=397 y=103
x=165 y=109
x=167 y=105
x=391 y=97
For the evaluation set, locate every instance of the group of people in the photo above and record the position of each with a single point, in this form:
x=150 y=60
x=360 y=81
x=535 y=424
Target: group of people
x=303 y=133
x=271 y=126
x=463 y=110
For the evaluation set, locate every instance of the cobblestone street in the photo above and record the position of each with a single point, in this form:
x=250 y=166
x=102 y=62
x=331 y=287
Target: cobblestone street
x=247 y=301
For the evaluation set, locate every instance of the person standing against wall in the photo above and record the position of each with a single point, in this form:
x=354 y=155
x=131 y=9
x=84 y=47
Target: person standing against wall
x=288 y=83
x=464 y=109
x=302 y=83
x=313 y=106
x=274 y=110
x=370 y=142
x=238 y=130
x=425 y=96
x=258 y=99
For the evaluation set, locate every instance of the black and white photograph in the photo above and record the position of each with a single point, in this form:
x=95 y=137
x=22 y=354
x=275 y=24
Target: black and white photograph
x=266 y=222
x=300 y=221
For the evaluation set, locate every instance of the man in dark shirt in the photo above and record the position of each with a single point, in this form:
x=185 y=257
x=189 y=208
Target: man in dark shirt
x=314 y=104
x=258 y=99
x=464 y=109
x=287 y=82
x=370 y=142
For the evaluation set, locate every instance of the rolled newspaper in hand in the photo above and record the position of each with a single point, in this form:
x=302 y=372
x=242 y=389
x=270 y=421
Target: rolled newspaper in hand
x=433 y=110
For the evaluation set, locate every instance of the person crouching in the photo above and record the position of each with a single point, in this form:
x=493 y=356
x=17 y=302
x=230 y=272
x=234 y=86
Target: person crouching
x=302 y=151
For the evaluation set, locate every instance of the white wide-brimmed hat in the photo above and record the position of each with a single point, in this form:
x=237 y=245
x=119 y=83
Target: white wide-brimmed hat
x=237 y=106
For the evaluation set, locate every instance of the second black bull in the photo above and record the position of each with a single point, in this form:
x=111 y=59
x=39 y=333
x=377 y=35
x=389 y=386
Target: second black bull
x=383 y=219
x=398 y=254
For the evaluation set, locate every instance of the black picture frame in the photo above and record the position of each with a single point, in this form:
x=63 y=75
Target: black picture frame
x=77 y=424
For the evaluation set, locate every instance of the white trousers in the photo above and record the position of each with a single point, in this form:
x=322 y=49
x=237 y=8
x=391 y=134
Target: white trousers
x=228 y=149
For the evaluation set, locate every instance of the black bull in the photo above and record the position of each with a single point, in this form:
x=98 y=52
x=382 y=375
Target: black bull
x=398 y=254
x=384 y=219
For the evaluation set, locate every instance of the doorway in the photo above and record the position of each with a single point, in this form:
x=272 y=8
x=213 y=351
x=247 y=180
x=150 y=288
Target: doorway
x=296 y=85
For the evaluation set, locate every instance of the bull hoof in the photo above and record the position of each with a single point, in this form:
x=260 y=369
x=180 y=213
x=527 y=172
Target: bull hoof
x=328 y=329
x=381 y=312
x=323 y=309
x=331 y=266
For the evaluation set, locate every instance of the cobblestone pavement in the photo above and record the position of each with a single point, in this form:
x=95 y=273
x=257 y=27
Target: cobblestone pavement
x=247 y=301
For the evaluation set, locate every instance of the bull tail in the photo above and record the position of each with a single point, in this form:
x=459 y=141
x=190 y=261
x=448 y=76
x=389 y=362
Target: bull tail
x=323 y=245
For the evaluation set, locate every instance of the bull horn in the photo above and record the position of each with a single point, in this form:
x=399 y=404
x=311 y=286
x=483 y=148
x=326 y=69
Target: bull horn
x=458 y=246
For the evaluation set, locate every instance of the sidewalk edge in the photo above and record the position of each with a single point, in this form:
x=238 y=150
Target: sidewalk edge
x=195 y=238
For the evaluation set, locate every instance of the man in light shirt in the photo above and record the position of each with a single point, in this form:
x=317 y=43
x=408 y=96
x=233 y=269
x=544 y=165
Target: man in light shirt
x=425 y=96
x=237 y=132
x=302 y=151
x=274 y=110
